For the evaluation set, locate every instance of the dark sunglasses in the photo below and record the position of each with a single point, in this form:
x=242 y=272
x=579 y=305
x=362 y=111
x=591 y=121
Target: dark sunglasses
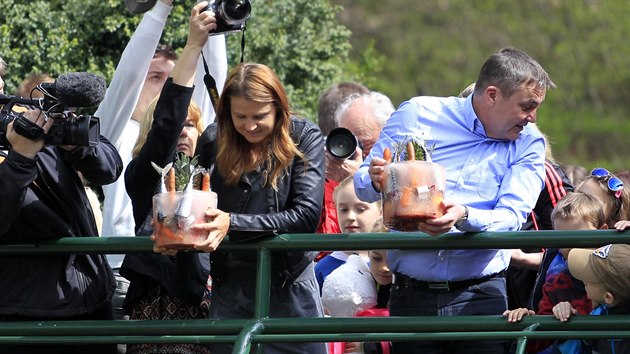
x=614 y=183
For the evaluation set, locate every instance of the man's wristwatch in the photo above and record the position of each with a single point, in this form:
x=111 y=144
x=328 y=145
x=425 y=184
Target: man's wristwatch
x=463 y=218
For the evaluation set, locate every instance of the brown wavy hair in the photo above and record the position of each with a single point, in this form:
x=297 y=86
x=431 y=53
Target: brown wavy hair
x=258 y=83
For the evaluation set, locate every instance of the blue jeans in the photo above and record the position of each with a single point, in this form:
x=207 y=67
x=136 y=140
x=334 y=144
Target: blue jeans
x=487 y=298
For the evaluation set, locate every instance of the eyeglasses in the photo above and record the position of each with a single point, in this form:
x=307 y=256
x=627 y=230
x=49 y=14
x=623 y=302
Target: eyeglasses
x=614 y=183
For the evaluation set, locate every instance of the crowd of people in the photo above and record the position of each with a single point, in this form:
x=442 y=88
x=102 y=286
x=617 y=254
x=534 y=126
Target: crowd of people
x=272 y=174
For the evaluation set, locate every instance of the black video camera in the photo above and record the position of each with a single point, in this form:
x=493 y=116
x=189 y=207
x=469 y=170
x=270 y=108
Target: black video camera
x=67 y=128
x=231 y=15
x=341 y=143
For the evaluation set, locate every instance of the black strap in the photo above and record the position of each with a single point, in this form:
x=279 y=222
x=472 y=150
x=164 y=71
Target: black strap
x=243 y=43
x=210 y=82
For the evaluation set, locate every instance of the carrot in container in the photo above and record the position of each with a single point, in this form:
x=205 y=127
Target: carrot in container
x=411 y=153
x=170 y=180
x=387 y=155
x=205 y=182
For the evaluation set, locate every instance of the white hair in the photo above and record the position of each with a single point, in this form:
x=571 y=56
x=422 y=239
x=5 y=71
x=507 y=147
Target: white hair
x=3 y=67
x=382 y=107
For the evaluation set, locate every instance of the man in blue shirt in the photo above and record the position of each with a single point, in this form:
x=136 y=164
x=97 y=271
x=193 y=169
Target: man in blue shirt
x=495 y=171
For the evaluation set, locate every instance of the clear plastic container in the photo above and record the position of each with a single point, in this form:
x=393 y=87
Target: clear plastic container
x=413 y=192
x=173 y=216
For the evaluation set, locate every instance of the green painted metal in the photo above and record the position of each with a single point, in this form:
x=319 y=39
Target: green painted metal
x=243 y=343
x=521 y=342
x=287 y=242
x=261 y=329
x=263 y=279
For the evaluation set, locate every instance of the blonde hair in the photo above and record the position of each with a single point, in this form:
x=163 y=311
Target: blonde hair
x=580 y=206
x=194 y=113
x=257 y=83
x=349 y=181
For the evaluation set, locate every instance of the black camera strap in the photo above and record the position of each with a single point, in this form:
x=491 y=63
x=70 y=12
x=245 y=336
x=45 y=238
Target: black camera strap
x=211 y=85
x=210 y=82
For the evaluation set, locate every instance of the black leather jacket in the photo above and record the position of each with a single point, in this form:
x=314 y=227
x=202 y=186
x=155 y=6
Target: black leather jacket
x=256 y=212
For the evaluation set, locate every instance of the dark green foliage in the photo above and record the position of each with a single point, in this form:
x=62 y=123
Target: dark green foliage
x=402 y=48
x=300 y=39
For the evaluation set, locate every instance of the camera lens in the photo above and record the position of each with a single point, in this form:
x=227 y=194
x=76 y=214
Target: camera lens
x=341 y=143
x=235 y=12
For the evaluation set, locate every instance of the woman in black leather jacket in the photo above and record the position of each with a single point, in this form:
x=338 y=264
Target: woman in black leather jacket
x=268 y=172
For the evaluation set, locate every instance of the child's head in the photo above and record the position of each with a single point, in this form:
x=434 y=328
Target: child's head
x=349 y=289
x=578 y=211
x=610 y=190
x=379 y=268
x=604 y=272
x=354 y=215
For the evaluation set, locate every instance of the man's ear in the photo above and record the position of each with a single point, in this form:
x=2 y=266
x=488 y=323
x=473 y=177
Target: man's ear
x=491 y=94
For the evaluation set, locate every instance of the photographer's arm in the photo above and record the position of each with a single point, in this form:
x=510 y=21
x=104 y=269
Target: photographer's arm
x=19 y=169
x=124 y=89
x=100 y=164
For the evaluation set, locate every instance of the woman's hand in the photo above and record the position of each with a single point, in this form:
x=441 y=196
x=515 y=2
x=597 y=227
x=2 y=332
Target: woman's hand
x=218 y=226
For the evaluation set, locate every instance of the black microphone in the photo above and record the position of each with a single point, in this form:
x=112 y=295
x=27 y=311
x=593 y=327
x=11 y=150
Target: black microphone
x=76 y=89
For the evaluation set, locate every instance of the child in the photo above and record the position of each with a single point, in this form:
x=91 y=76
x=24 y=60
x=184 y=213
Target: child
x=576 y=211
x=353 y=216
x=609 y=190
x=379 y=268
x=604 y=271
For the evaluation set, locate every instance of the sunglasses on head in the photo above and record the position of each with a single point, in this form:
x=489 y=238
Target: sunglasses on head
x=614 y=184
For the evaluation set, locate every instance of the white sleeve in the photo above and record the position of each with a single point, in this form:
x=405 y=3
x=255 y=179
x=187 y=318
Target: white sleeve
x=216 y=58
x=124 y=90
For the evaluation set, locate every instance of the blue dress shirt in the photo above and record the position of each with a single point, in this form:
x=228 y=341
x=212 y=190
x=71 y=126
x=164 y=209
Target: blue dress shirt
x=499 y=181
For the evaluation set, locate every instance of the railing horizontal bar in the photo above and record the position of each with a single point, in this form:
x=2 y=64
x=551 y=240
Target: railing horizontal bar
x=92 y=339
x=441 y=323
x=437 y=336
x=123 y=327
x=313 y=325
x=286 y=242
x=313 y=337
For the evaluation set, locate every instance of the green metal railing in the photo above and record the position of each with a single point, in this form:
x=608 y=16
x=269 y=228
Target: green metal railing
x=262 y=329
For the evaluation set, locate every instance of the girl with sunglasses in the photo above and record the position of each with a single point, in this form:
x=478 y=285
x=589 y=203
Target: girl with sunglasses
x=610 y=190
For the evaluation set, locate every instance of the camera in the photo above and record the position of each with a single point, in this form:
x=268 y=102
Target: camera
x=342 y=143
x=67 y=128
x=231 y=15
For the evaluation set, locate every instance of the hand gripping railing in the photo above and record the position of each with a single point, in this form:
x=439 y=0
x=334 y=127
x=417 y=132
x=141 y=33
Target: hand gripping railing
x=262 y=329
